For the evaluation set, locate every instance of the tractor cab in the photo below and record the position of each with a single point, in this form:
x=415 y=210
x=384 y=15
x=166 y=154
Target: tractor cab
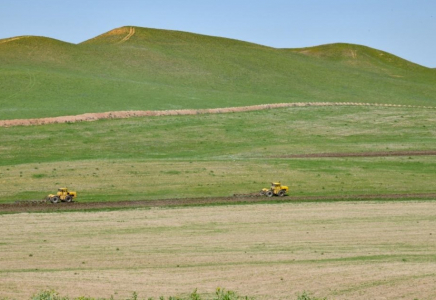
x=276 y=187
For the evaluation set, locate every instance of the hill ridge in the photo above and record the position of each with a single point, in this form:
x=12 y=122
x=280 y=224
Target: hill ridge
x=7 y=40
x=311 y=50
x=135 y=68
x=352 y=51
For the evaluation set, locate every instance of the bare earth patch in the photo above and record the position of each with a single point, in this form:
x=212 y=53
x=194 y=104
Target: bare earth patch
x=148 y=113
x=341 y=250
x=38 y=206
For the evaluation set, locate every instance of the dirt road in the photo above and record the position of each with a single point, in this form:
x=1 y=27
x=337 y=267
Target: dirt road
x=148 y=113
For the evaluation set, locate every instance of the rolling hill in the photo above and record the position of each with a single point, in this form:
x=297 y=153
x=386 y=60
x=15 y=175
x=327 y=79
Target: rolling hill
x=132 y=68
x=124 y=233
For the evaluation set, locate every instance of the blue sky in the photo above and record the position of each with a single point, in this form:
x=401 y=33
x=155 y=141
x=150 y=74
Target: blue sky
x=406 y=28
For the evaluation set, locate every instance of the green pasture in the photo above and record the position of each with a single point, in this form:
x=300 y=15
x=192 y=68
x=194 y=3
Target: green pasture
x=159 y=69
x=221 y=154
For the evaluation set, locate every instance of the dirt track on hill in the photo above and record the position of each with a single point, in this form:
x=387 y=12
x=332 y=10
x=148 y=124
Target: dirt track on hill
x=245 y=199
x=154 y=113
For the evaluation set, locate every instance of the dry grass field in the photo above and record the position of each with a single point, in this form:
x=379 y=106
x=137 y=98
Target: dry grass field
x=338 y=250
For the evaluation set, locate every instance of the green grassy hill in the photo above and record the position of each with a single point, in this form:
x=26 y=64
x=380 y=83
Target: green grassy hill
x=132 y=68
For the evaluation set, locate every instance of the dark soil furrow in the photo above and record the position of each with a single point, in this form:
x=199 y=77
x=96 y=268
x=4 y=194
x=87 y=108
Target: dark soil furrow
x=78 y=206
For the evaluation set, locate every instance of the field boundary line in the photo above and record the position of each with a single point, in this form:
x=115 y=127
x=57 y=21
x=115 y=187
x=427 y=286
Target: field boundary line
x=87 y=117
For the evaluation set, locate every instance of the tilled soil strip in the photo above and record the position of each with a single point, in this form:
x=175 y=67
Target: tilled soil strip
x=150 y=113
x=363 y=154
x=77 y=206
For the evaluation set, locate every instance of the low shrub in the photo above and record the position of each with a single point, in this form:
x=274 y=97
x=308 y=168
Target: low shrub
x=306 y=296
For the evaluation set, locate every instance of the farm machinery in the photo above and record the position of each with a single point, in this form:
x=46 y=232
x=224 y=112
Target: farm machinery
x=276 y=189
x=62 y=195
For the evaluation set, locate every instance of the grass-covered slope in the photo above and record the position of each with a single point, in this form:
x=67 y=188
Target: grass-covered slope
x=132 y=68
x=222 y=154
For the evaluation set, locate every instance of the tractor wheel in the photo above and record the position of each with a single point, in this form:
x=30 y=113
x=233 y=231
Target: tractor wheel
x=68 y=198
x=54 y=199
x=282 y=193
x=262 y=193
x=269 y=193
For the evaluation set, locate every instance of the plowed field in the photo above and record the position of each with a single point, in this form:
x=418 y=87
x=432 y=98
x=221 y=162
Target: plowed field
x=77 y=206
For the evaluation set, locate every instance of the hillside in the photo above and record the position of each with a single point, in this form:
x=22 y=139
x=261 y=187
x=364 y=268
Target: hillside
x=170 y=202
x=132 y=68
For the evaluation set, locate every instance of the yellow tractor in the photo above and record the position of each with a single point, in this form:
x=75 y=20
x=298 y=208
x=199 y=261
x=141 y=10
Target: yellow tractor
x=62 y=195
x=277 y=189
